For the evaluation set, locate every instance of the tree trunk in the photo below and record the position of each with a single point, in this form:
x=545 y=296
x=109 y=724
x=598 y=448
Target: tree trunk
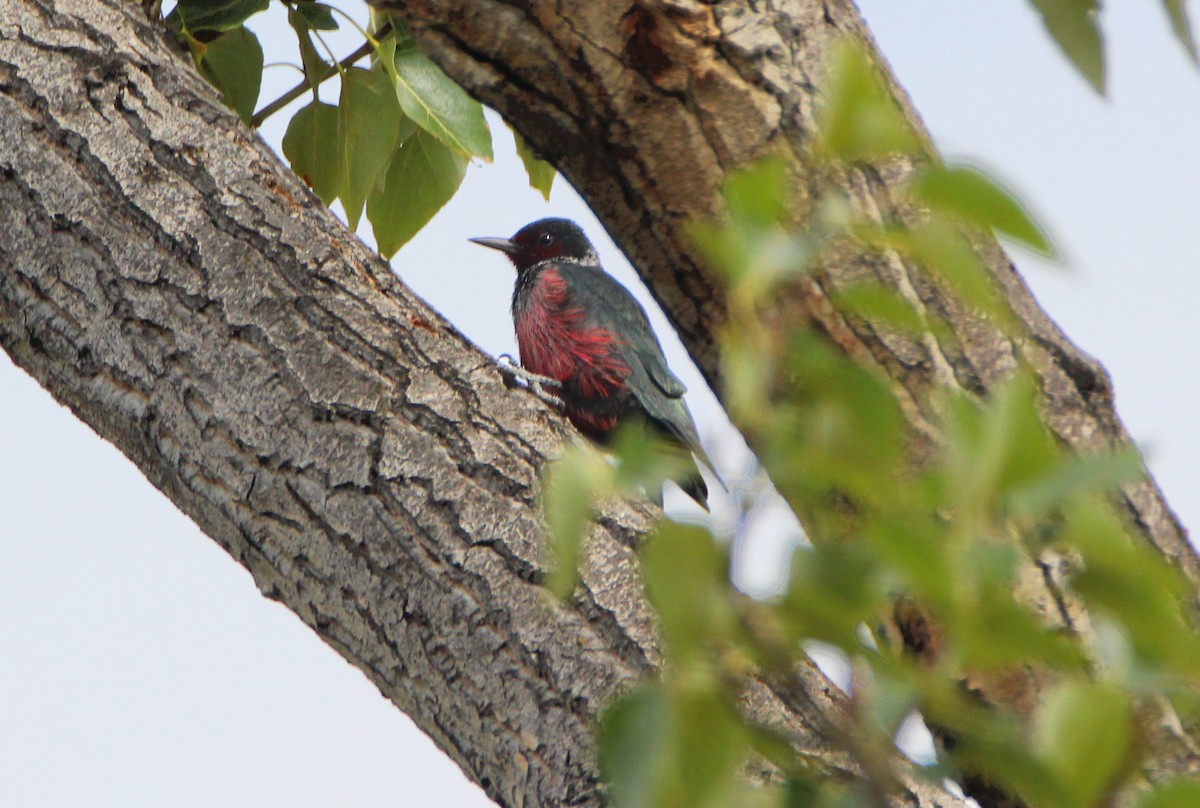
x=647 y=106
x=165 y=277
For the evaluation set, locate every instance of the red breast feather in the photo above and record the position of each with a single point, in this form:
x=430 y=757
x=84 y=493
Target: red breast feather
x=554 y=340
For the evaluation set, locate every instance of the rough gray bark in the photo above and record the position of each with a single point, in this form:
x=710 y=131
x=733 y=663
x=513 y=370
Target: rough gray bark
x=646 y=106
x=167 y=279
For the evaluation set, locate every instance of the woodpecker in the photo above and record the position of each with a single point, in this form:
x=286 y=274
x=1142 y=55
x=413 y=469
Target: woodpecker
x=581 y=329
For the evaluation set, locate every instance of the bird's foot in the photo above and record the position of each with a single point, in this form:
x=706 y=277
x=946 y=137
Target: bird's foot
x=533 y=382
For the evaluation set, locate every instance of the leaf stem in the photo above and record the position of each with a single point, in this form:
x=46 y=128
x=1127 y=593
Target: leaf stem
x=374 y=40
x=308 y=83
x=297 y=68
x=332 y=58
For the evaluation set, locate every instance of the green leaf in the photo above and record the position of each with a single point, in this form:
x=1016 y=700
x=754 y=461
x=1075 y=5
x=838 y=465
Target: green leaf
x=368 y=128
x=1138 y=589
x=233 y=62
x=709 y=745
x=1074 y=25
x=1175 y=794
x=946 y=254
x=311 y=146
x=1083 y=733
x=831 y=590
x=747 y=372
x=913 y=547
x=760 y=194
x=889 y=701
x=988 y=740
x=671 y=743
x=687 y=579
x=1017 y=435
x=800 y=794
x=316 y=16
x=541 y=174
x=847 y=426
x=422 y=178
x=997 y=449
x=879 y=303
x=969 y=194
x=1182 y=27
x=634 y=744
x=862 y=120
x=214 y=15
x=645 y=459
x=573 y=483
x=439 y=105
x=385 y=57
x=755 y=245
x=1076 y=475
x=997 y=632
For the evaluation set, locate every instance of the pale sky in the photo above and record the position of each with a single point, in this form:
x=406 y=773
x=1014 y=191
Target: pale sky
x=141 y=667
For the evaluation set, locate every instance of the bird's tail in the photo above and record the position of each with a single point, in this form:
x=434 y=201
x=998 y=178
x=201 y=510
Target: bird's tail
x=694 y=486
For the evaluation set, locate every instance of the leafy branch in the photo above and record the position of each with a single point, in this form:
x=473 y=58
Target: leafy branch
x=397 y=143
x=309 y=82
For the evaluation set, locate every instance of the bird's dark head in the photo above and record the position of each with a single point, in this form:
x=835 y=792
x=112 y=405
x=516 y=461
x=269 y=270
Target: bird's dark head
x=545 y=240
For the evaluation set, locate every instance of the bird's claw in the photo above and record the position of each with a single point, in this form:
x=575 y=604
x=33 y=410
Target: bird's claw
x=533 y=382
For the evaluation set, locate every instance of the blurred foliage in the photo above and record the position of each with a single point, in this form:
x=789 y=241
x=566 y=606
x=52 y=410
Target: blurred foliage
x=956 y=538
x=397 y=143
x=1075 y=26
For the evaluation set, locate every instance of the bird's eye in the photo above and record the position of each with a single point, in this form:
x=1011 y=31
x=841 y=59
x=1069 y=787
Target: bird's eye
x=545 y=239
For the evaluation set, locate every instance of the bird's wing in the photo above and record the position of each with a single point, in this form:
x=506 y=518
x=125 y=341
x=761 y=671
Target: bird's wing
x=610 y=305
x=661 y=375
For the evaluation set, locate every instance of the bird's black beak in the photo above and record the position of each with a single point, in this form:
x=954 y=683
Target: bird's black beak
x=501 y=244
